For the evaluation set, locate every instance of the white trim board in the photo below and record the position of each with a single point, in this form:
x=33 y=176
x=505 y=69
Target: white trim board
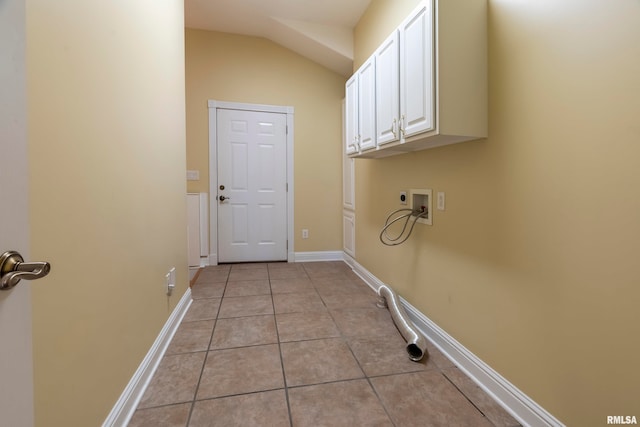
x=213 y=105
x=514 y=401
x=128 y=402
x=319 y=256
x=204 y=225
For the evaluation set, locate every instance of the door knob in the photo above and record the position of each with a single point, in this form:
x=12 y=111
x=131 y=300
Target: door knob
x=13 y=269
x=223 y=198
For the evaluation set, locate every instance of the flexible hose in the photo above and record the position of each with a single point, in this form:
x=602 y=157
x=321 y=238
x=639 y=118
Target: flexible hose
x=393 y=241
x=416 y=343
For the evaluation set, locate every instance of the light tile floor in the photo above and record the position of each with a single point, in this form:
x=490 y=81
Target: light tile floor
x=299 y=345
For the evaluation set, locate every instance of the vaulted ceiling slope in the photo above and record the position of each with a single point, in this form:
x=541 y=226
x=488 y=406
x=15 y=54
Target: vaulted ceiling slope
x=321 y=30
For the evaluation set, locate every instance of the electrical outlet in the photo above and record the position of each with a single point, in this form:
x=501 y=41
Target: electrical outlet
x=403 y=197
x=170 y=281
x=305 y=233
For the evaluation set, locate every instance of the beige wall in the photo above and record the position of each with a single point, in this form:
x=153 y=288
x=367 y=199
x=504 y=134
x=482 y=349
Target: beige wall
x=534 y=264
x=107 y=153
x=235 y=68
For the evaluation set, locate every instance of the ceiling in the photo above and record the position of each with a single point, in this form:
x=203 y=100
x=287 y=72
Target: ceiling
x=321 y=30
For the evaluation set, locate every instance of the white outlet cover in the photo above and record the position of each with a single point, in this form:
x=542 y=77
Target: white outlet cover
x=441 y=200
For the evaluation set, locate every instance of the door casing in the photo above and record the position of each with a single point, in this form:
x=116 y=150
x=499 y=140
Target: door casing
x=213 y=175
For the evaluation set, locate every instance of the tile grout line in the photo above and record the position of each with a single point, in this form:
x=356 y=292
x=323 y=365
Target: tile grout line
x=465 y=396
x=206 y=356
x=284 y=377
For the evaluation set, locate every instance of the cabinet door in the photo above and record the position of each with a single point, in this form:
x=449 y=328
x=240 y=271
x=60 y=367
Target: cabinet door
x=388 y=90
x=367 y=104
x=351 y=115
x=417 y=97
x=349 y=233
x=348 y=183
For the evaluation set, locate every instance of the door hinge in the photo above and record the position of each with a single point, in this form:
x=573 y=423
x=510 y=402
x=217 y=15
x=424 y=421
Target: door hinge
x=286 y=129
x=287 y=187
x=287 y=245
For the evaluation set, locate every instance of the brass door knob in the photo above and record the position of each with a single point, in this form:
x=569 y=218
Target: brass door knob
x=13 y=269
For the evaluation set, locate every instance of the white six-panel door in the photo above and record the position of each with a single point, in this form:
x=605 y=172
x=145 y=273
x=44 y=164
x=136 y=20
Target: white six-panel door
x=252 y=186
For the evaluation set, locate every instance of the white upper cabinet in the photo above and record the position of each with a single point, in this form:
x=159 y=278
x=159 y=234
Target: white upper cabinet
x=416 y=73
x=351 y=115
x=430 y=82
x=388 y=90
x=367 y=105
x=360 y=106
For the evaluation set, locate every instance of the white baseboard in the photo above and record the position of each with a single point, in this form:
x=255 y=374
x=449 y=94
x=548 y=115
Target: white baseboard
x=298 y=257
x=319 y=256
x=213 y=259
x=192 y=272
x=128 y=401
x=514 y=401
x=371 y=280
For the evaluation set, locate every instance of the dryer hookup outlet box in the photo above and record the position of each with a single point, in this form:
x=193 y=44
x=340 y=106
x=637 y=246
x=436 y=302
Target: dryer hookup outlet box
x=421 y=200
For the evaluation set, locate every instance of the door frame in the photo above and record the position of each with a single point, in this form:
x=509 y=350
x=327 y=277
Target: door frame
x=213 y=174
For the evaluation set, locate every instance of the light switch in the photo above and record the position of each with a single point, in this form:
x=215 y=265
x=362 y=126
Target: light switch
x=193 y=175
x=440 y=202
